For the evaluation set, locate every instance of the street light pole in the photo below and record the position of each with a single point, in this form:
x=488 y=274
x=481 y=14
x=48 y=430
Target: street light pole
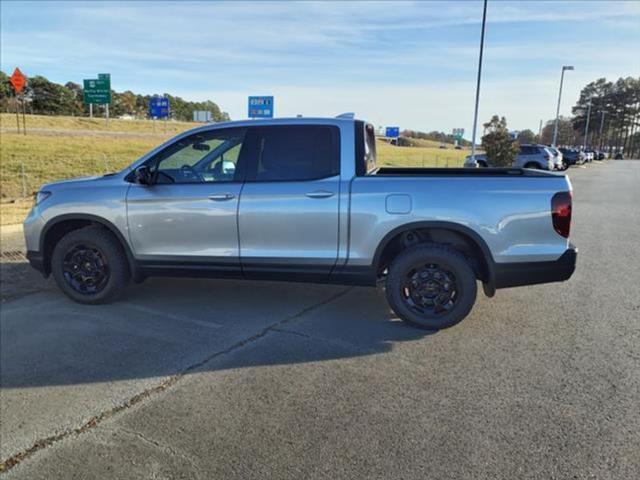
x=586 y=126
x=475 y=115
x=555 y=128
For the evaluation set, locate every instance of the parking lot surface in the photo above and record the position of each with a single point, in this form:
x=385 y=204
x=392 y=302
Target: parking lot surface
x=225 y=379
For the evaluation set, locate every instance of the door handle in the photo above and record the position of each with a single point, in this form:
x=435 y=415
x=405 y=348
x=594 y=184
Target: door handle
x=320 y=194
x=220 y=197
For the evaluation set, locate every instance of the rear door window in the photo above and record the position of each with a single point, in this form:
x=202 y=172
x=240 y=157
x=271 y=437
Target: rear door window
x=295 y=153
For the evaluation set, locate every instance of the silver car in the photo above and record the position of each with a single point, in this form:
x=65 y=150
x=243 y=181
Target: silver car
x=534 y=156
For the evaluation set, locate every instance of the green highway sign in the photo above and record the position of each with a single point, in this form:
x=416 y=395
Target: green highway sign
x=98 y=90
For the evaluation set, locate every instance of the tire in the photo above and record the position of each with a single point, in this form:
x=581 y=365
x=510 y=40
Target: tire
x=416 y=265
x=532 y=165
x=90 y=266
x=483 y=164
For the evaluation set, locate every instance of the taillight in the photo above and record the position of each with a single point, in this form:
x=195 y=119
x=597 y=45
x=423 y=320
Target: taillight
x=561 y=213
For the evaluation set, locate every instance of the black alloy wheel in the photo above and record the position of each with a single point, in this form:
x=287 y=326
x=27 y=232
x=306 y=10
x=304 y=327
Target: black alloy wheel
x=85 y=269
x=90 y=265
x=430 y=289
x=431 y=286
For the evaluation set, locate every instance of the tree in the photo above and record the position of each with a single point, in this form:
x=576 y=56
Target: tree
x=6 y=91
x=78 y=101
x=49 y=98
x=500 y=148
x=566 y=134
x=616 y=107
x=526 y=136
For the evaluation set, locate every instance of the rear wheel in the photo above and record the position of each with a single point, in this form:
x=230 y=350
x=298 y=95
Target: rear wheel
x=431 y=286
x=90 y=266
x=532 y=165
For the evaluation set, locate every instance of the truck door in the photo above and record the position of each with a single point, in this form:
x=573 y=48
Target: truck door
x=189 y=214
x=288 y=213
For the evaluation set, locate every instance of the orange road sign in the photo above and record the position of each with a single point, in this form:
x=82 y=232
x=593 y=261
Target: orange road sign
x=18 y=80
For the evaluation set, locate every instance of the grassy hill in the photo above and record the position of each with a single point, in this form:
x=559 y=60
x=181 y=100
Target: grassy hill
x=62 y=147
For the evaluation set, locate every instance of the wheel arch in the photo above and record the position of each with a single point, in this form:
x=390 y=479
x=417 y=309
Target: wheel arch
x=440 y=232
x=59 y=226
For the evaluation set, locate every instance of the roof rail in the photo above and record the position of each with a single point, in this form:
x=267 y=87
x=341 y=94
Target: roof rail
x=349 y=115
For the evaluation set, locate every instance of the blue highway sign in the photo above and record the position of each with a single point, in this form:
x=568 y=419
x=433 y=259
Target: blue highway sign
x=392 y=132
x=159 y=107
x=261 y=107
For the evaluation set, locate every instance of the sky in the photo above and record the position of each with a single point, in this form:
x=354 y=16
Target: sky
x=409 y=64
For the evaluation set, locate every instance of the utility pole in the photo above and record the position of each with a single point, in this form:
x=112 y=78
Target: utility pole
x=555 y=128
x=586 y=126
x=475 y=115
x=540 y=132
x=601 y=126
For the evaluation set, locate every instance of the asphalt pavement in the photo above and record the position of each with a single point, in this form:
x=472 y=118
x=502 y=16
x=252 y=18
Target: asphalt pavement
x=209 y=379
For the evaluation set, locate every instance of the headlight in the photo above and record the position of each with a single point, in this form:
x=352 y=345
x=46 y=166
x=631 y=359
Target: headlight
x=41 y=197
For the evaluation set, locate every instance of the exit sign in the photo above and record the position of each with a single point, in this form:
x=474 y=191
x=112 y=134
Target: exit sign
x=261 y=107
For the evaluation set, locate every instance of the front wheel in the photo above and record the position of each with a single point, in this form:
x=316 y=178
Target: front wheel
x=431 y=286
x=90 y=266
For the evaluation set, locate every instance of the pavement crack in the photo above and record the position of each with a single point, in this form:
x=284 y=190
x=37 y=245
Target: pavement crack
x=94 y=421
x=162 y=447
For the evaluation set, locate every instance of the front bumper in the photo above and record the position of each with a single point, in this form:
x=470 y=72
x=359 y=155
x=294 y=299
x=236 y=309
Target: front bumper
x=532 y=273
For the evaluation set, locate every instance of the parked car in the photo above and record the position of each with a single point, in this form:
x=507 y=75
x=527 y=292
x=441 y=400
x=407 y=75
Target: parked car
x=588 y=155
x=618 y=156
x=481 y=160
x=458 y=147
x=303 y=200
x=594 y=154
x=571 y=156
x=558 y=161
x=601 y=155
x=534 y=156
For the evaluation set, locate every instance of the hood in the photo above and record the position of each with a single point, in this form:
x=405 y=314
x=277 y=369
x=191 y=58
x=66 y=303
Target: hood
x=71 y=181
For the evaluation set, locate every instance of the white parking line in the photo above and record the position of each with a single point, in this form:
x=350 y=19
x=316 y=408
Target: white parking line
x=171 y=316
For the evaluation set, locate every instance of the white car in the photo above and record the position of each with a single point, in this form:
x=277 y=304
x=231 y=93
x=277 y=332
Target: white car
x=558 y=162
x=481 y=160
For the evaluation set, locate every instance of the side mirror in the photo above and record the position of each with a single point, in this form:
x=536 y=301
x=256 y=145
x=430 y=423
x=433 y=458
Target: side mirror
x=143 y=175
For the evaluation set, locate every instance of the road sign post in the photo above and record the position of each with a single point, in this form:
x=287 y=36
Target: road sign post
x=159 y=107
x=17 y=114
x=18 y=81
x=392 y=133
x=261 y=107
x=458 y=133
x=98 y=91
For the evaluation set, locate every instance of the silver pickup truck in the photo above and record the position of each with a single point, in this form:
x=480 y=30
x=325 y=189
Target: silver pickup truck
x=303 y=200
